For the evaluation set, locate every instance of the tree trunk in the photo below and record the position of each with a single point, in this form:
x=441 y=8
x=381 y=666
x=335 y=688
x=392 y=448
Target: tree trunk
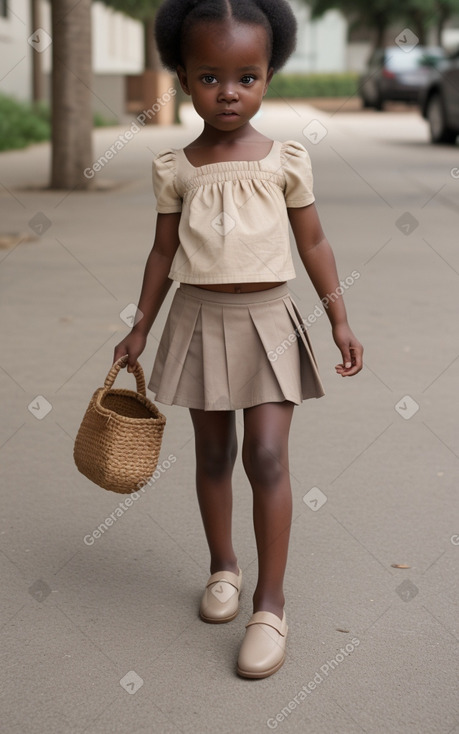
x=380 y=21
x=420 y=26
x=152 y=60
x=380 y=35
x=37 y=58
x=156 y=81
x=71 y=94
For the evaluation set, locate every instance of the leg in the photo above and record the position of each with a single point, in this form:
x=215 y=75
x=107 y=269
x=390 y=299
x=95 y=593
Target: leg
x=265 y=458
x=216 y=448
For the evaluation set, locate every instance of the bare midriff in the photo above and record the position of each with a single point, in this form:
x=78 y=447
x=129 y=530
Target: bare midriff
x=240 y=287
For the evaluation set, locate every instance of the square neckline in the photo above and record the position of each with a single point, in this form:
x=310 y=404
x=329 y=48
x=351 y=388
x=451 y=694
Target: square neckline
x=219 y=163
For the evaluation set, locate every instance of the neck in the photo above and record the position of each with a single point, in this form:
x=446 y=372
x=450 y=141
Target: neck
x=211 y=136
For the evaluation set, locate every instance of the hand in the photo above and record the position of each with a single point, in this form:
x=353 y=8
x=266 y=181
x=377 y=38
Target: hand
x=351 y=351
x=132 y=345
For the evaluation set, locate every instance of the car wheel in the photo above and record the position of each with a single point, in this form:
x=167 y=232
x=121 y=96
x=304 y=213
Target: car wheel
x=439 y=130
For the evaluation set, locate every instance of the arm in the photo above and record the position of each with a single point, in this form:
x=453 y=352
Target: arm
x=155 y=287
x=319 y=261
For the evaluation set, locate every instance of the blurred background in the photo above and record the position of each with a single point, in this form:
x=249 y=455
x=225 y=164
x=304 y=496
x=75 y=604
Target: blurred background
x=65 y=68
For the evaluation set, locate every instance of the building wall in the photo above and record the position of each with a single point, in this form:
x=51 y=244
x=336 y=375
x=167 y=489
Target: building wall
x=15 y=52
x=450 y=39
x=321 y=44
x=117 y=41
x=117 y=44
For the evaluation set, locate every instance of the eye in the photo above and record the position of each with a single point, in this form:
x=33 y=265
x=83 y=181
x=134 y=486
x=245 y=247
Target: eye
x=208 y=79
x=247 y=79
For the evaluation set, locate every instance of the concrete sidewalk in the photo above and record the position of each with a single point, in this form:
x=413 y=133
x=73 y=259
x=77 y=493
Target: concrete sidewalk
x=99 y=631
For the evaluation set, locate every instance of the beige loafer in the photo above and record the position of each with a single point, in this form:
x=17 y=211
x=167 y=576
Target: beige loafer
x=262 y=651
x=220 y=601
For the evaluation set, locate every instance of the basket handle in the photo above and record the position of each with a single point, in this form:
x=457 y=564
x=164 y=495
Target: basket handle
x=138 y=373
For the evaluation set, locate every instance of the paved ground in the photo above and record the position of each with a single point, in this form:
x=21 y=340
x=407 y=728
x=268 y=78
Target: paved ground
x=104 y=637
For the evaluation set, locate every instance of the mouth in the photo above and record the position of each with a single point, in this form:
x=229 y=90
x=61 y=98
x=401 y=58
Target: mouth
x=228 y=114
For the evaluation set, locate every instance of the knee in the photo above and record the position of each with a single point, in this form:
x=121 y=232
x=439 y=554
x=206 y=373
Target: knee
x=216 y=461
x=265 y=464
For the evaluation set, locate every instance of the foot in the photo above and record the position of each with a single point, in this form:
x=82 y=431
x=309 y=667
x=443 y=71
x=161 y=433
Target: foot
x=220 y=601
x=262 y=651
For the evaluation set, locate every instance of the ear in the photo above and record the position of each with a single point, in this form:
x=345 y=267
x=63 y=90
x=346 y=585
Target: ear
x=182 y=77
x=268 y=80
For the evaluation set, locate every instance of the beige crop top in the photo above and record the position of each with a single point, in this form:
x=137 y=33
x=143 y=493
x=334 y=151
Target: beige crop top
x=234 y=223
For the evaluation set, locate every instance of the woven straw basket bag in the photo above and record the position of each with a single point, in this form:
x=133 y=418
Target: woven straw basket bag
x=119 y=440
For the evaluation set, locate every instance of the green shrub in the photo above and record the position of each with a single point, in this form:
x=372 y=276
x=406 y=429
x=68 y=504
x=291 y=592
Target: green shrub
x=20 y=125
x=302 y=86
x=101 y=121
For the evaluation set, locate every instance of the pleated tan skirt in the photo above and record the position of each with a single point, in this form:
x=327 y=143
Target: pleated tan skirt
x=226 y=351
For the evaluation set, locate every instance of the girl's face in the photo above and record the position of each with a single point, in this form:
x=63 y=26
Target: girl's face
x=226 y=72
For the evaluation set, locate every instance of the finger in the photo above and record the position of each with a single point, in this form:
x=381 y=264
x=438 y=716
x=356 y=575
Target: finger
x=347 y=356
x=356 y=366
x=359 y=359
x=350 y=372
x=118 y=353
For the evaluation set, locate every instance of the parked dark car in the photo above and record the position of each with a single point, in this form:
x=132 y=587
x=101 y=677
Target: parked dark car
x=440 y=102
x=397 y=75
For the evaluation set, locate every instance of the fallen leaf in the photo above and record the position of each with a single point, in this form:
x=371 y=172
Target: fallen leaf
x=340 y=630
x=399 y=565
x=11 y=239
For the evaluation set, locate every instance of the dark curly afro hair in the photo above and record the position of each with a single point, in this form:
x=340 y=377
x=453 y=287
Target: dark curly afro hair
x=175 y=18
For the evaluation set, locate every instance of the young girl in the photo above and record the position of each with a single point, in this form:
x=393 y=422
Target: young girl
x=234 y=339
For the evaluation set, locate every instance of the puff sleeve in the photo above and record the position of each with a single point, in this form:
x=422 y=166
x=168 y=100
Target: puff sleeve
x=168 y=200
x=297 y=169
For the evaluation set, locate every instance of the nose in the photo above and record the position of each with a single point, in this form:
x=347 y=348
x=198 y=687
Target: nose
x=228 y=93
